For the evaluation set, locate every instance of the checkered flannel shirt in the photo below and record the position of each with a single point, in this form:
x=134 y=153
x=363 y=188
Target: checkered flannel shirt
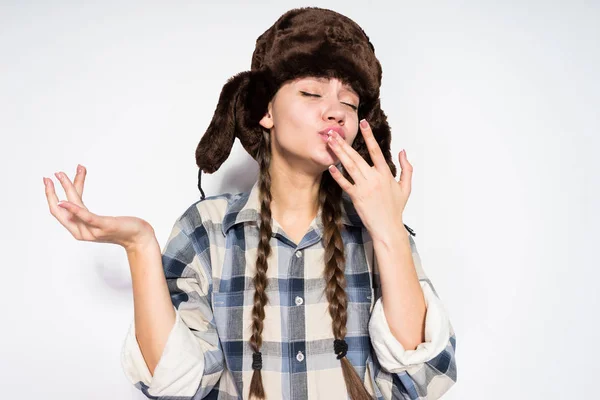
x=209 y=263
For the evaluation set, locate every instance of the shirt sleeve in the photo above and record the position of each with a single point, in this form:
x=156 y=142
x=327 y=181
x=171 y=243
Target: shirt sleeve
x=426 y=372
x=192 y=361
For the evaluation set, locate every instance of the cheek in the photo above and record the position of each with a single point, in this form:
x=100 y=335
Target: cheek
x=352 y=124
x=295 y=123
x=292 y=117
x=353 y=134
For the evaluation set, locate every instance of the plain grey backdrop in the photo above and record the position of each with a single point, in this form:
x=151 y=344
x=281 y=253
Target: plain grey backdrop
x=496 y=103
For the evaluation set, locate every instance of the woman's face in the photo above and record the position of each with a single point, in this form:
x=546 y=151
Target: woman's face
x=300 y=115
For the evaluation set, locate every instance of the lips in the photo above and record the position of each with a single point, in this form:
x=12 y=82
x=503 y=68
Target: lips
x=338 y=129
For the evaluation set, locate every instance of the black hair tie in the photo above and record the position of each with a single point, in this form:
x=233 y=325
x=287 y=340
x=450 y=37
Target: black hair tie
x=340 y=347
x=257 y=360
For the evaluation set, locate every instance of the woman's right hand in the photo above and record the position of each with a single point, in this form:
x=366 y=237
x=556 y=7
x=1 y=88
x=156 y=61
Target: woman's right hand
x=129 y=232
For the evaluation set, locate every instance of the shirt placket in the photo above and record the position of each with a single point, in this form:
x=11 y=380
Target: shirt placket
x=297 y=325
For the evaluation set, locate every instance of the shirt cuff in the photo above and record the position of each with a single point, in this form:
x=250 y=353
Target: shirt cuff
x=180 y=359
x=389 y=351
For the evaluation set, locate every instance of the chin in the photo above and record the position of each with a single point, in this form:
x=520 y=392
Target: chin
x=321 y=158
x=326 y=161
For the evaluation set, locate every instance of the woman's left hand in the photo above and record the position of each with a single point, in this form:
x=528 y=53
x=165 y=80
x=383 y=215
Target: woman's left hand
x=377 y=197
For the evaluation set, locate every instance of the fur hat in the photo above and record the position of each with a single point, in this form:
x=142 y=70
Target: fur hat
x=303 y=42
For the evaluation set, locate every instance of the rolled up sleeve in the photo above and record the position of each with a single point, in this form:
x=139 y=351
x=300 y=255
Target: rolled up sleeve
x=428 y=371
x=192 y=361
x=390 y=352
x=178 y=369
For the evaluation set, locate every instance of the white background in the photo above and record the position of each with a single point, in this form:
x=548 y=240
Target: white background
x=497 y=106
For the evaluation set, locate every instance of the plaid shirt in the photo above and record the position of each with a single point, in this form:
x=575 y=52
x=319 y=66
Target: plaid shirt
x=209 y=263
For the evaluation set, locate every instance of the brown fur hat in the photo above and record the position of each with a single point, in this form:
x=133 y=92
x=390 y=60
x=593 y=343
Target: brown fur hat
x=303 y=42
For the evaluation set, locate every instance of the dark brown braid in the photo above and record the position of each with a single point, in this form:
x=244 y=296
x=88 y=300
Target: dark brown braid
x=330 y=194
x=263 y=252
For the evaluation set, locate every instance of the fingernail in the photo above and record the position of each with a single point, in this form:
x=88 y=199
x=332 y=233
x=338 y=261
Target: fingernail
x=79 y=168
x=363 y=123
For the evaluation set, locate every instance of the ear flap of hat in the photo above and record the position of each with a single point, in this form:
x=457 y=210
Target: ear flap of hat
x=382 y=132
x=216 y=143
x=242 y=104
x=253 y=104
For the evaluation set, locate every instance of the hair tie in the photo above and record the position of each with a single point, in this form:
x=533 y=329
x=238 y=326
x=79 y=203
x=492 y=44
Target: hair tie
x=340 y=347
x=257 y=360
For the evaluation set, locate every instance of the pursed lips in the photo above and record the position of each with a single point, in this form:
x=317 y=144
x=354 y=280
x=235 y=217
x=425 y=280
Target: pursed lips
x=338 y=129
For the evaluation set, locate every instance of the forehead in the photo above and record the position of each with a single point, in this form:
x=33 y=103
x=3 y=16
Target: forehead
x=323 y=80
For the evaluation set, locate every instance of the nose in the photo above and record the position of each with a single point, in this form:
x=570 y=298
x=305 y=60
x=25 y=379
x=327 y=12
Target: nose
x=334 y=111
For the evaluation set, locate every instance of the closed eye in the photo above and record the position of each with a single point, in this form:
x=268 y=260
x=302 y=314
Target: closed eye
x=352 y=106
x=309 y=94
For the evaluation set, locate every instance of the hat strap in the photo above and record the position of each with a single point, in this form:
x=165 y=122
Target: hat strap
x=199 y=184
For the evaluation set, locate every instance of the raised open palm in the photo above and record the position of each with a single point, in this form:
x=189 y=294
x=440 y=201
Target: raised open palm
x=85 y=225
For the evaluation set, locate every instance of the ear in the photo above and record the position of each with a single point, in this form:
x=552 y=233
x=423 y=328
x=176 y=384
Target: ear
x=267 y=120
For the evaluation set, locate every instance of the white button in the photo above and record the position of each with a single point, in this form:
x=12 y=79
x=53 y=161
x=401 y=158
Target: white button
x=300 y=356
x=299 y=300
x=298 y=254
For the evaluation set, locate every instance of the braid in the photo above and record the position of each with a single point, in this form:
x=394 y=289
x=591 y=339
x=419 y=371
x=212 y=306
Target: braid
x=260 y=279
x=330 y=194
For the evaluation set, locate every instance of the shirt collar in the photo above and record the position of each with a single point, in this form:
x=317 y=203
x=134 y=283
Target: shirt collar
x=245 y=208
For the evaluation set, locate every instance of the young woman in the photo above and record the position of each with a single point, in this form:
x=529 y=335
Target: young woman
x=309 y=285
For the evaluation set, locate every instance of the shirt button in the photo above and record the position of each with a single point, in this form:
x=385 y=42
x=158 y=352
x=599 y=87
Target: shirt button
x=298 y=254
x=300 y=356
x=299 y=300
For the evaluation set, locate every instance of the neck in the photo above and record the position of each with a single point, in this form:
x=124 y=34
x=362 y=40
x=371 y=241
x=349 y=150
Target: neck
x=294 y=194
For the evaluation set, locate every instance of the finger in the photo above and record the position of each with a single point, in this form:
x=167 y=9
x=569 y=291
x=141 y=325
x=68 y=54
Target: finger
x=83 y=214
x=69 y=188
x=90 y=225
x=407 y=171
x=360 y=162
x=374 y=149
x=60 y=214
x=50 y=193
x=339 y=147
x=79 y=180
x=341 y=180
